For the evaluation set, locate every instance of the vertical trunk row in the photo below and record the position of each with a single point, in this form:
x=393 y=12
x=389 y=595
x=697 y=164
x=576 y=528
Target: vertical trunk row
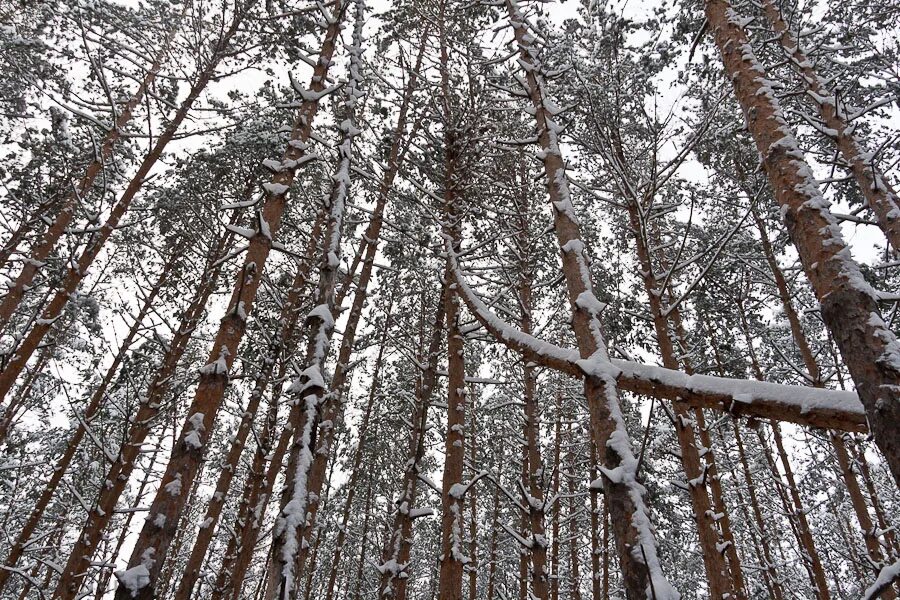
x=636 y=544
x=848 y=305
x=41 y=251
x=271 y=446
x=814 y=376
x=352 y=483
x=332 y=410
x=94 y=404
x=452 y=558
x=534 y=479
x=770 y=574
x=398 y=545
x=720 y=585
x=120 y=470
x=306 y=471
x=78 y=271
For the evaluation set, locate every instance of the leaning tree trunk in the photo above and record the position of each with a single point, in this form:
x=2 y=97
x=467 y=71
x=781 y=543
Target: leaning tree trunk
x=848 y=305
x=120 y=470
x=720 y=585
x=857 y=500
x=877 y=190
x=398 y=546
x=77 y=272
x=312 y=431
x=188 y=453
x=636 y=544
x=41 y=251
x=94 y=404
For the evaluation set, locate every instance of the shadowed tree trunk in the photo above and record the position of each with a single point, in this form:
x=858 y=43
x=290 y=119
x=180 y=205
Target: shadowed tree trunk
x=848 y=304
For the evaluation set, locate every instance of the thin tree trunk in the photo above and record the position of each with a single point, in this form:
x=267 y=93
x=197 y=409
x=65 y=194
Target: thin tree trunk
x=596 y=514
x=9 y=417
x=355 y=469
x=554 y=495
x=77 y=272
x=635 y=541
x=812 y=554
x=187 y=455
x=880 y=195
x=847 y=303
x=472 y=566
x=772 y=574
x=313 y=432
x=574 y=531
x=94 y=404
x=398 y=545
x=41 y=251
x=120 y=470
x=697 y=475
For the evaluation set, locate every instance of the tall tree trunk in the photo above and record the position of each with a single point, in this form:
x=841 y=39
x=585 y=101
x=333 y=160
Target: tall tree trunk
x=312 y=432
x=41 y=251
x=635 y=541
x=596 y=514
x=77 y=272
x=805 y=530
x=720 y=585
x=556 y=506
x=572 y=514
x=880 y=195
x=261 y=480
x=355 y=469
x=848 y=305
x=94 y=404
x=814 y=375
x=398 y=545
x=120 y=470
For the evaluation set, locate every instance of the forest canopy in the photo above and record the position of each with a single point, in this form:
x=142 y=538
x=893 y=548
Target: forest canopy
x=441 y=299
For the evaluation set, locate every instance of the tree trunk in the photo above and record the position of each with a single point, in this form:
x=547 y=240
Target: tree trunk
x=398 y=546
x=188 y=453
x=120 y=471
x=720 y=585
x=635 y=541
x=92 y=408
x=41 y=251
x=313 y=432
x=848 y=305
x=877 y=190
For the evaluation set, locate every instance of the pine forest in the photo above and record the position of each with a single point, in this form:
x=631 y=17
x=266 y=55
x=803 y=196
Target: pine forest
x=449 y=299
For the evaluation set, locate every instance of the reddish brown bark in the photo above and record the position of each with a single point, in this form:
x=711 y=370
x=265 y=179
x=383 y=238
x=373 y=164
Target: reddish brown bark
x=187 y=455
x=635 y=544
x=720 y=585
x=877 y=190
x=805 y=531
x=849 y=307
x=120 y=471
x=41 y=251
x=93 y=406
x=261 y=480
x=398 y=546
x=769 y=572
x=76 y=273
